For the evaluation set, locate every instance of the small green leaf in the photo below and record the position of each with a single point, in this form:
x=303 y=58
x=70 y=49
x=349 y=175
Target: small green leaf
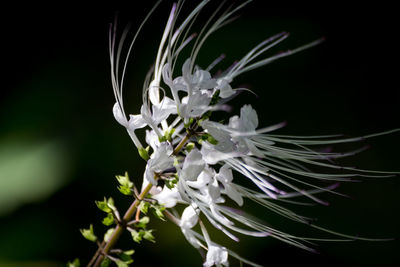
x=105 y=263
x=120 y=263
x=108 y=234
x=75 y=263
x=158 y=211
x=125 y=258
x=144 y=206
x=103 y=205
x=107 y=205
x=129 y=252
x=143 y=222
x=125 y=190
x=149 y=236
x=124 y=180
x=89 y=234
x=109 y=220
x=137 y=236
x=144 y=153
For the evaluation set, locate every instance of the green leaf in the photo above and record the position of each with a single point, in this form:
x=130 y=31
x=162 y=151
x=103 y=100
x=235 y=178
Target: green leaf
x=75 y=263
x=158 y=211
x=137 y=236
x=120 y=263
x=129 y=252
x=149 y=236
x=109 y=220
x=125 y=258
x=144 y=153
x=107 y=205
x=124 y=180
x=105 y=263
x=89 y=234
x=125 y=190
x=143 y=222
x=102 y=205
x=108 y=234
x=144 y=206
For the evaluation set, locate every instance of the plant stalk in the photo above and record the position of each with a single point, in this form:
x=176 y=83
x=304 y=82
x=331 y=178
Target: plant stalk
x=120 y=228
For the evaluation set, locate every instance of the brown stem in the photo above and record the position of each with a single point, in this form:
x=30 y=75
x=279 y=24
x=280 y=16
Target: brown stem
x=181 y=144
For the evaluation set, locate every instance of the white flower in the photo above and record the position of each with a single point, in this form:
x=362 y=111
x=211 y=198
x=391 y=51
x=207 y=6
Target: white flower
x=189 y=217
x=159 y=161
x=225 y=176
x=194 y=105
x=168 y=197
x=224 y=87
x=200 y=80
x=119 y=116
x=216 y=255
x=279 y=166
x=192 y=166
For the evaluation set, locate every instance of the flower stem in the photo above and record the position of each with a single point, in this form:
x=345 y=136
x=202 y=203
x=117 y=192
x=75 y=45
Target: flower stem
x=181 y=144
x=119 y=229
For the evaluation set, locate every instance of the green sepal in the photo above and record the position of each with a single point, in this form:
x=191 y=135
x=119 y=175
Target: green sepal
x=162 y=139
x=108 y=234
x=106 y=262
x=176 y=162
x=189 y=146
x=89 y=234
x=143 y=222
x=144 y=206
x=109 y=220
x=212 y=140
x=169 y=134
x=144 y=153
x=75 y=263
x=190 y=122
x=170 y=183
x=149 y=236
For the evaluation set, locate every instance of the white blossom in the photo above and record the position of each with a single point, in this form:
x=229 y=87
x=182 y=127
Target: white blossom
x=159 y=161
x=206 y=176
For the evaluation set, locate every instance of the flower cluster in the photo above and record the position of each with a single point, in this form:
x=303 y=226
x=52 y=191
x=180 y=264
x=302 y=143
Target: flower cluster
x=198 y=163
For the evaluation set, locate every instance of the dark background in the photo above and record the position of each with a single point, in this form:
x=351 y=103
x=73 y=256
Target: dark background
x=60 y=146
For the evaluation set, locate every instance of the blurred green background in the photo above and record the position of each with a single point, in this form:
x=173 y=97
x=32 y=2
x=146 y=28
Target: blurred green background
x=60 y=146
